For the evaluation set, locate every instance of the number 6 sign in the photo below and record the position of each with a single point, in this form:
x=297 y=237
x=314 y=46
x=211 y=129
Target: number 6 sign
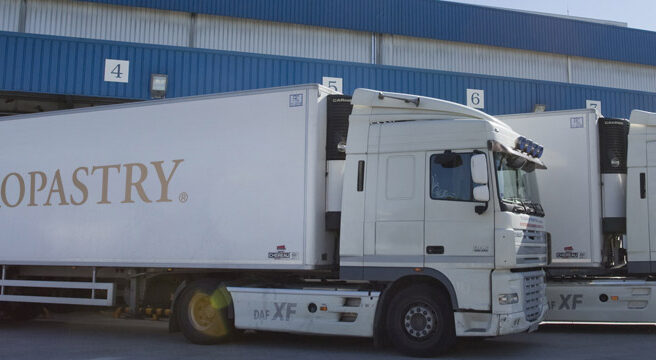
x=476 y=98
x=117 y=70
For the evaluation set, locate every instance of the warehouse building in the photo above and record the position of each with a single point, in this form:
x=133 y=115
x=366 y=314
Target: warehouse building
x=58 y=54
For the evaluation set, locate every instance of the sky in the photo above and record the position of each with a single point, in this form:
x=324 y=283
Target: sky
x=639 y=14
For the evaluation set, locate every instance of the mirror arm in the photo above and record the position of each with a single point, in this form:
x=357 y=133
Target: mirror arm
x=480 y=209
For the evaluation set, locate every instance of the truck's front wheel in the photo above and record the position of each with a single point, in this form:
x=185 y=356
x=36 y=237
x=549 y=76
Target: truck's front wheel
x=420 y=321
x=202 y=311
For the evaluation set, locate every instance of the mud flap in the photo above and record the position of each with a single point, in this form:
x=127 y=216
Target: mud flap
x=173 y=319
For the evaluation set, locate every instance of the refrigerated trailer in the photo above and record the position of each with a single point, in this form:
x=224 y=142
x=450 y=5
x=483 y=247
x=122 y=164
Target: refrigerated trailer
x=600 y=205
x=291 y=209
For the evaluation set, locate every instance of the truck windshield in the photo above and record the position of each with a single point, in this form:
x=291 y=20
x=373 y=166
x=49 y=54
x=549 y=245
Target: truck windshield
x=517 y=184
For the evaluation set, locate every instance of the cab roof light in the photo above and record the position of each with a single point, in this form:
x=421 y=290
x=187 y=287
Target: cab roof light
x=519 y=144
x=534 y=150
x=539 y=152
x=529 y=147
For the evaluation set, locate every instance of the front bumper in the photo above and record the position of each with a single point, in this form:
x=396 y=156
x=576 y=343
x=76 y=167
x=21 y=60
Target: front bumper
x=516 y=323
x=523 y=315
x=486 y=324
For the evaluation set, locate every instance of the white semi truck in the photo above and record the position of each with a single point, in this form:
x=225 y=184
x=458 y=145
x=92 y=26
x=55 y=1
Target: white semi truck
x=241 y=210
x=599 y=196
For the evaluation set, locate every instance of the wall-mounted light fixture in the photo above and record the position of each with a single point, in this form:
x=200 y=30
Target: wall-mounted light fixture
x=158 y=85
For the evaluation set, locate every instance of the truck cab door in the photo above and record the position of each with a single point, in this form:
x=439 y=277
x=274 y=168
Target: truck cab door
x=399 y=212
x=641 y=210
x=455 y=234
x=649 y=190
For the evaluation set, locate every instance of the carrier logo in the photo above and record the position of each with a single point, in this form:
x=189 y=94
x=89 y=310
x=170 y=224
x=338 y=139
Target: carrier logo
x=616 y=122
x=341 y=100
x=17 y=189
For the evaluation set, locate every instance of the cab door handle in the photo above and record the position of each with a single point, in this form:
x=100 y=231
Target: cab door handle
x=434 y=249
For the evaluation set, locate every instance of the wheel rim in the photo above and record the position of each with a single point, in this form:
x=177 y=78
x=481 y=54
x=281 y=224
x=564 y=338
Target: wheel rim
x=202 y=314
x=420 y=321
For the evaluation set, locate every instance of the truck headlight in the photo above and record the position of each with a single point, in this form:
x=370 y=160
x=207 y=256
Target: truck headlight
x=508 y=299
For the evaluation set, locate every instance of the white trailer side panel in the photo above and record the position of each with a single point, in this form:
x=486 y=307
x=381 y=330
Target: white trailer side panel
x=248 y=190
x=570 y=190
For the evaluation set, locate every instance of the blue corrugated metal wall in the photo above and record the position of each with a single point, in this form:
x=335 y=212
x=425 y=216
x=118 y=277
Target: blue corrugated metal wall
x=56 y=65
x=438 y=20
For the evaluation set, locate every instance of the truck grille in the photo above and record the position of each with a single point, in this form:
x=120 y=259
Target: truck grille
x=531 y=247
x=534 y=293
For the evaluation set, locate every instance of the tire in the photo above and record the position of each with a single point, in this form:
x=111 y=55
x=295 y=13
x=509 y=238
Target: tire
x=420 y=321
x=202 y=312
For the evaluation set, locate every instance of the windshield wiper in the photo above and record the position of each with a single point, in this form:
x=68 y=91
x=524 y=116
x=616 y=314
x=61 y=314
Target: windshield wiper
x=539 y=211
x=525 y=206
x=518 y=205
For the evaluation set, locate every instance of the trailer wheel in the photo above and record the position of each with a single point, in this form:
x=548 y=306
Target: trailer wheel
x=202 y=312
x=420 y=321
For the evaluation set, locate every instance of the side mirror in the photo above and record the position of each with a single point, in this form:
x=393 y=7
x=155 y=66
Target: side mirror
x=479 y=170
x=481 y=193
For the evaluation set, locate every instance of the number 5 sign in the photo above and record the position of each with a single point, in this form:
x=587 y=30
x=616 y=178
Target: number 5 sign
x=593 y=104
x=117 y=70
x=333 y=83
x=476 y=98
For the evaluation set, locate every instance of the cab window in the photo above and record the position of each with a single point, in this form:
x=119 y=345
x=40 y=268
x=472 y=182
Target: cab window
x=450 y=176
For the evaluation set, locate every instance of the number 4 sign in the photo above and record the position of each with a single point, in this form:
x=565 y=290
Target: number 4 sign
x=117 y=70
x=476 y=98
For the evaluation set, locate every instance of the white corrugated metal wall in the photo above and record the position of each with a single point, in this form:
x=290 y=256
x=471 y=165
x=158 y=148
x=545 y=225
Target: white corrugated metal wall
x=98 y=21
x=9 y=15
x=450 y=56
x=132 y=24
x=225 y=33
x=613 y=74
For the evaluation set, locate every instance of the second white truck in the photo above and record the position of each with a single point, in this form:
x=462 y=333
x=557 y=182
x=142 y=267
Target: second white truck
x=599 y=195
x=241 y=209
